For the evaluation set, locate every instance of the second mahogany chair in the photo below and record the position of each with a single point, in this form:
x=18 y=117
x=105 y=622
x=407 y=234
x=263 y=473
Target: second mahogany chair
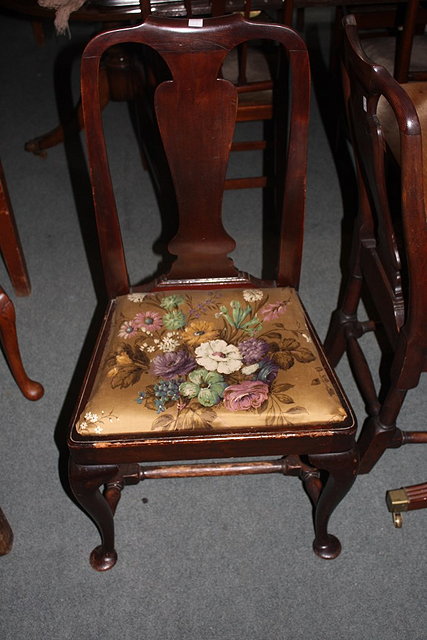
x=206 y=362
x=388 y=264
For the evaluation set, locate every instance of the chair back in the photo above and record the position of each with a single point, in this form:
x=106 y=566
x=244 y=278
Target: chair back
x=196 y=111
x=387 y=141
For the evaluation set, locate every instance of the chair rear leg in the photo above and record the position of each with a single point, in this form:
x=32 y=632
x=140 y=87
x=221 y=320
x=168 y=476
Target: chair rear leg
x=342 y=471
x=380 y=432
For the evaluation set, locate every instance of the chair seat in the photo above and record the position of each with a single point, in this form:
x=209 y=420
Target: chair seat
x=382 y=50
x=417 y=91
x=204 y=361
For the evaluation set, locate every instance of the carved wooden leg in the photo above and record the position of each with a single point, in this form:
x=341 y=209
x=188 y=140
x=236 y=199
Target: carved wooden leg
x=9 y=341
x=10 y=244
x=342 y=470
x=85 y=482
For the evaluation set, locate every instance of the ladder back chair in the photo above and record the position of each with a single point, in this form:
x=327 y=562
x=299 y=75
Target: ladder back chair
x=206 y=362
x=389 y=253
x=393 y=35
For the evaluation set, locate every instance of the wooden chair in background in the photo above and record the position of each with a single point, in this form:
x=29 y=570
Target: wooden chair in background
x=392 y=35
x=389 y=254
x=11 y=250
x=253 y=69
x=206 y=362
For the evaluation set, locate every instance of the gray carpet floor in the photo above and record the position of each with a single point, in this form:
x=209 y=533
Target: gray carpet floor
x=203 y=558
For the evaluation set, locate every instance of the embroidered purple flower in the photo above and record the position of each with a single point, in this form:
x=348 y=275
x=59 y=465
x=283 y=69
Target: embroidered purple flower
x=253 y=350
x=267 y=371
x=273 y=310
x=172 y=364
x=148 y=321
x=246 y=395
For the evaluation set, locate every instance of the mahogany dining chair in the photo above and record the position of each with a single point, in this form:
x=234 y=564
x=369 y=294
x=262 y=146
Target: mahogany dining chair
x=206 y=362
x=388 y=263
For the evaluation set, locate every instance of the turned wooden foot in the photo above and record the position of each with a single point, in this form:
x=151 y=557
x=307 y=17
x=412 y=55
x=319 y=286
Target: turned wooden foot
x=342 y=470
x=102 y=560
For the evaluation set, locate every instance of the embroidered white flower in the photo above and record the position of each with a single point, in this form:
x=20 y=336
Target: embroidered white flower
x=93 y=422
x=253 y=295
x=91 y=417
x=217 y=355
x=169 y=342
x=250 y=368
x=136 y=297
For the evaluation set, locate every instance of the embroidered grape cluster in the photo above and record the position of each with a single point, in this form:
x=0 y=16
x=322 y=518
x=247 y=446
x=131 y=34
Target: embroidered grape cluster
x=164 y=391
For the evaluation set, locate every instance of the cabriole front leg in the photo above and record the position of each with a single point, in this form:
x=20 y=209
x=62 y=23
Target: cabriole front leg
x=85 y=482
x=342 y=470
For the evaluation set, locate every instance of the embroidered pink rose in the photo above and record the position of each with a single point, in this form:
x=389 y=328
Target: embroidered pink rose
x=246 y=395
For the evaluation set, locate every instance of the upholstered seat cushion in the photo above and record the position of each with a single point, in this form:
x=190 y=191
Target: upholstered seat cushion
x=209 y=360
x=417 y=91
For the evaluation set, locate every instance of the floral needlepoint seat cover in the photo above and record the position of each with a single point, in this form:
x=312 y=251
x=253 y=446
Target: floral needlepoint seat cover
x=209 y=360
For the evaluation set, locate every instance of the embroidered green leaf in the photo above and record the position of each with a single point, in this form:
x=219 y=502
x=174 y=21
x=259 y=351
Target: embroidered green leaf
x=190 y=419
x=289 y=344
x=140 y=357
x=283 y=359
x=277 y=419
x=150 y=398
x=303 y=355
x=296 y=410
x=126 y=376
x=285 y=386
x=263 y=408
x=279 y=394
x=164 y=422
x=273 y=335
